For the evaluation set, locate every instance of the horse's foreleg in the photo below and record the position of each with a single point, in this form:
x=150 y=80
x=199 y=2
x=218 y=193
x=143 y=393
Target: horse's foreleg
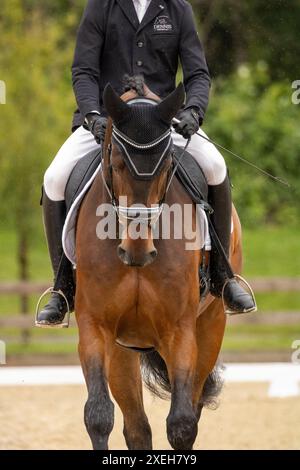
x=180 y=356
x=94 y=357
x=126 y=386
x=209 y=333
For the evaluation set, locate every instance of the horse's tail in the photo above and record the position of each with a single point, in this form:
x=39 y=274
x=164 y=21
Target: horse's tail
x=156 y=379
x=212 y=388
x=155 y=374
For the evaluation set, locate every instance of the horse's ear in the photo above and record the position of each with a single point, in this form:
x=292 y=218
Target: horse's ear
x=169 y=107
x=114 y=105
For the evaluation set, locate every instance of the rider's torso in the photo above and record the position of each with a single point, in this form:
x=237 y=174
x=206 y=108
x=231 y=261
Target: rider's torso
x=149 y=48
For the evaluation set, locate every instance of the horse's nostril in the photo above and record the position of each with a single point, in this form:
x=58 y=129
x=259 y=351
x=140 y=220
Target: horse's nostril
x=136 y=260
x=121 y=251
x=123 y=255
x=153 y=253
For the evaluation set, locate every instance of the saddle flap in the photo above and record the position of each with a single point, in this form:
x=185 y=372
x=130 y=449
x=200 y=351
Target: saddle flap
x=191 y=176
x=80 y=175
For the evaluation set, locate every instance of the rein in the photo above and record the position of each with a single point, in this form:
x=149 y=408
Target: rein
x=176 y=166
x=277 y=179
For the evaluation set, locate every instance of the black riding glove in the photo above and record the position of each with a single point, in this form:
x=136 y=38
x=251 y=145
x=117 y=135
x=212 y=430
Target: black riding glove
x=189 y=123
x=97 y=126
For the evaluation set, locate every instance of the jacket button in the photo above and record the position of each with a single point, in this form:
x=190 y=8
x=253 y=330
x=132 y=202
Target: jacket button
x=139 y=63
x=140 y=44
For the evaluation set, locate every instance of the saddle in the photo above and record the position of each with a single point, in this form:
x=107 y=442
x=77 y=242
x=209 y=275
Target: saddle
x=188 y=173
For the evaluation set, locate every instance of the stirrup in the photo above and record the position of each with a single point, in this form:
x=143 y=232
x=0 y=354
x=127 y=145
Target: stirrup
x=66 y=321
x=249 y=289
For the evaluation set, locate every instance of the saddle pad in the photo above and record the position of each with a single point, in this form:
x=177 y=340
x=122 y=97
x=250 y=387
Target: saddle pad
x=79 y=183
x=188 y=173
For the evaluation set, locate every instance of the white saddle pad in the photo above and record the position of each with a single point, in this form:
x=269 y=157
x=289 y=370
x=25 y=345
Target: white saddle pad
x=69 y=230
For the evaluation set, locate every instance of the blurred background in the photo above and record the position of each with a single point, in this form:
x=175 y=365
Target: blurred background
x=253 y=51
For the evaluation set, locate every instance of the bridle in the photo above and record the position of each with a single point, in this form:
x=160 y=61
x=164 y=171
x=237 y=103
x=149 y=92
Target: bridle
x=139 y=214
x=136 y=213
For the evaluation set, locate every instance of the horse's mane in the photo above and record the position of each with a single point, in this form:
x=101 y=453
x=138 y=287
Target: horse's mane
x=135 y=83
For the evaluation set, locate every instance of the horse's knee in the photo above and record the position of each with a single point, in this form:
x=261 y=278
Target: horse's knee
x=182 y=429
x=99 y=420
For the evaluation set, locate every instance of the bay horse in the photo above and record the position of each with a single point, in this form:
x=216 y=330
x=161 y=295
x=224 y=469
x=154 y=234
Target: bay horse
x=137 y=300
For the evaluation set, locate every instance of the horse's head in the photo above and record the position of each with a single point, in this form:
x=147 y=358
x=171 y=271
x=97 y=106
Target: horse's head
x=138 y=163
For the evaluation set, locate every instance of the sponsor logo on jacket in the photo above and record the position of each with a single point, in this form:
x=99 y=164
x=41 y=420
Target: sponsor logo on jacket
x=163 y=24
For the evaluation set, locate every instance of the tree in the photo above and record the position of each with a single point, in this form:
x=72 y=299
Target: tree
x=255 y=117
x=35 y=65
x=236 y=32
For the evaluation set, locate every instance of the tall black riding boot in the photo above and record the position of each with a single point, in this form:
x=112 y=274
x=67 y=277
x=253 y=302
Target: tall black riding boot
x=54 y=312
x=235 y=297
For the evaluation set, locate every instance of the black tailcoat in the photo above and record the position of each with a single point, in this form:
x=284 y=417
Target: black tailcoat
x=111 y=43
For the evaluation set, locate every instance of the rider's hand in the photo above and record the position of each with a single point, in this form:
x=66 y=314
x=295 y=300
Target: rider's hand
x=97 y=126
x=189 y=123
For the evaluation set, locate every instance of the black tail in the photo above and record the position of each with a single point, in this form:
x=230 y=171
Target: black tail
x=156 y=379
x=212 y=388
x=155 y=374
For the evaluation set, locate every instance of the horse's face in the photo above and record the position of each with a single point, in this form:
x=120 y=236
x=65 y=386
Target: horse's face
x=138 y=192
x=132 y=193
x=140 y=163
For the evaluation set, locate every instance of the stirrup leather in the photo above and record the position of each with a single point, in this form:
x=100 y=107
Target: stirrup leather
x=249 y=289
x=66 y=321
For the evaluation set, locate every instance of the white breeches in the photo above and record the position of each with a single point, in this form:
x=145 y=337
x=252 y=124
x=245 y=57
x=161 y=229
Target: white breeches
x=81 y=142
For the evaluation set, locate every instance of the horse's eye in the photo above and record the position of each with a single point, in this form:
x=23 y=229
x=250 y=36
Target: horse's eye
x=118 y=167
x=117 y=163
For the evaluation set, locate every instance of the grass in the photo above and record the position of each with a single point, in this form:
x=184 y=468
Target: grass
x=272 y=252
x=42 y=348
x=267 y=252
x=260 y=337
x=278 y=301
x=39 y=266
x=267 y=302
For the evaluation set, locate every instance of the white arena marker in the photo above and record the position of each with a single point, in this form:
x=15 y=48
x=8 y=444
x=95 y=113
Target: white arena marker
x=61 y=375
x=284 y=378
x=284 y=388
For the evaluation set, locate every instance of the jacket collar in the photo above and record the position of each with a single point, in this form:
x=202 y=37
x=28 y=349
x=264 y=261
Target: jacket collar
x=129 y=11
x=155 y=7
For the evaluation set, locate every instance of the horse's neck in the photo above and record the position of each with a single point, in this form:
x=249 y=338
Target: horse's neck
x=177 y=194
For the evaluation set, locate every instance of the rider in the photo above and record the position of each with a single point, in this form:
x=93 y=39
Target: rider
x=138 y=37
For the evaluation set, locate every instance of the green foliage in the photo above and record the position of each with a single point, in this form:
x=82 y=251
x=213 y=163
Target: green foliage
x=255 y=117
x=35 y=65
x=235 y=32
